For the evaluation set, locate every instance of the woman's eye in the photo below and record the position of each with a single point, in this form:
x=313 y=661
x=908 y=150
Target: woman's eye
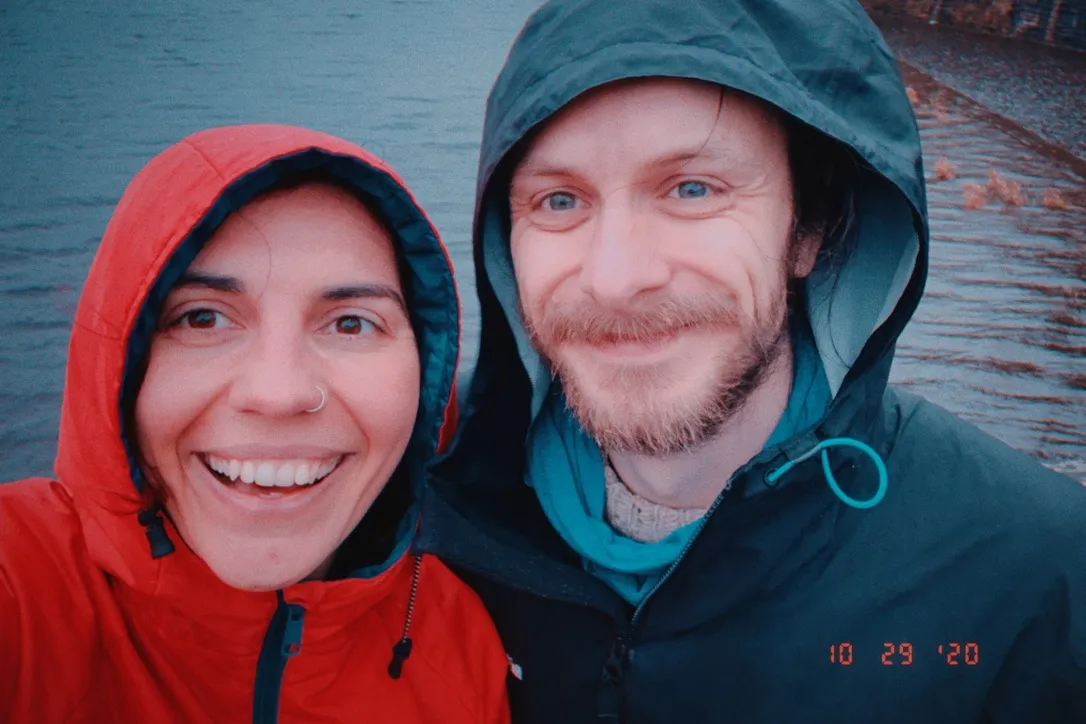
x=559 y=201
x=353 y=324
x=202 y=319
x=691 y=190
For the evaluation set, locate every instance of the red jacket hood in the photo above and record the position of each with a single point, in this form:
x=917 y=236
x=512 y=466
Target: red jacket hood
x=165 y=215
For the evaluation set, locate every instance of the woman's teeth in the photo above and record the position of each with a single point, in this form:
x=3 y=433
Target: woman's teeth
x=273 y=474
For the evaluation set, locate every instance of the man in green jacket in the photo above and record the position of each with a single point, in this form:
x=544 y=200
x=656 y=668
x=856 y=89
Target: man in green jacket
x=683 y=486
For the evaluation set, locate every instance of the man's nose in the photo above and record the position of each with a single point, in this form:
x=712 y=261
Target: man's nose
x=276 y=377
x=622 y=260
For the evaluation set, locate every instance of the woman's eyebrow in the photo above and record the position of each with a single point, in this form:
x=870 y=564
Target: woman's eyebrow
x=364 y=291
x=210 y=281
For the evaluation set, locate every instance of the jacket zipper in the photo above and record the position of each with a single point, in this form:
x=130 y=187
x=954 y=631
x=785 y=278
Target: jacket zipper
x=402 y=648
x=682 y=554
x=675 y=564
x=701 y=526
x=282 y=641
x=608 y=702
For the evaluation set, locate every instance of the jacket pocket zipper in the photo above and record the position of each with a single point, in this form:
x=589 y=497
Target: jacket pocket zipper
x=283 y=640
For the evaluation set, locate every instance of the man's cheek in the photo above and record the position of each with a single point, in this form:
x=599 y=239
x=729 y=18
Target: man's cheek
x=532 y=297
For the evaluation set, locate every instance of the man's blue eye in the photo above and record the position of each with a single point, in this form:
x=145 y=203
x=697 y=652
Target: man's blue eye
x=560 y=201
x=691 y=190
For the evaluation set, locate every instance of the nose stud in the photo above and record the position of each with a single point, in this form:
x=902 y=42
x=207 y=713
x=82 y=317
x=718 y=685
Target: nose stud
x=324 y=398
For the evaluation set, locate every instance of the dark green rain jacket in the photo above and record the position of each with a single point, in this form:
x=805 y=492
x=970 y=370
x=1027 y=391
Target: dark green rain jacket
x=960 y=597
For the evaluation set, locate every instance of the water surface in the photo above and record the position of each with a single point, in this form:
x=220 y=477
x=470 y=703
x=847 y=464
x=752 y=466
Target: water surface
x=90 y=91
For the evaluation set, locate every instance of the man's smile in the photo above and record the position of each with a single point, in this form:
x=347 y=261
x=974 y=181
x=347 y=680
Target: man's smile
x=634 y=347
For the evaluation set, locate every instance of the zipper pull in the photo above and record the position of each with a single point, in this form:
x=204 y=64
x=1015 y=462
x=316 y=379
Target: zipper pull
x=292 y=632
x=402 y=648
x=155 y=529
x=400 y=652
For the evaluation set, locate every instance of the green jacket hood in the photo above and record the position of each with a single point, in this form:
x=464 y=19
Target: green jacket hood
x=824 y=64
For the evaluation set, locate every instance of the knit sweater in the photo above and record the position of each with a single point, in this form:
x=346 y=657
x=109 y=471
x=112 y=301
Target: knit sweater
x=641 y=519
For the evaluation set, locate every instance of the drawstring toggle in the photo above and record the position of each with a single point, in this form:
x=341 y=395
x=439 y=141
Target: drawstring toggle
x=155 y=528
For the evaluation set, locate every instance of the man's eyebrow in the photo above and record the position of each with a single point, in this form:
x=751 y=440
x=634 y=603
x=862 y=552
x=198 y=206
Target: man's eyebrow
x=364 y=291
x=555 y=167
x=541 y=169
x=210 y=281
x=703 y=153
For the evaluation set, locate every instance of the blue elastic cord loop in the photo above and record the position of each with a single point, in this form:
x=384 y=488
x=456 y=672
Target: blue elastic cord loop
x=884 y=477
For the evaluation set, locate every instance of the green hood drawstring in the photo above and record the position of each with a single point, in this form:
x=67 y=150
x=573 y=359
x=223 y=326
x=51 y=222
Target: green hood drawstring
x=844 y=497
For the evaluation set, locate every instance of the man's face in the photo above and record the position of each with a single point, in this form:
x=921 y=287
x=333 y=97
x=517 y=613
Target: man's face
x=265 y=474
x=652 y=243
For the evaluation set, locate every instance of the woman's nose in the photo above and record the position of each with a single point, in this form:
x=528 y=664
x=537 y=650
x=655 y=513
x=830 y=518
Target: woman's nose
x=276 y=378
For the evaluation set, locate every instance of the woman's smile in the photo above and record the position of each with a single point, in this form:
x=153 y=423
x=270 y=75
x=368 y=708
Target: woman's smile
x=269 y=502
x=273 y=473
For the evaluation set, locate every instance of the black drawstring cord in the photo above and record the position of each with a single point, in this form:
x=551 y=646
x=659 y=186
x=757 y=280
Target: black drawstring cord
x=402 y=648
x=155 y=528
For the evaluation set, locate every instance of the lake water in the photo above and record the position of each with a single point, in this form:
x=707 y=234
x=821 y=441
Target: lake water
x=90 y=91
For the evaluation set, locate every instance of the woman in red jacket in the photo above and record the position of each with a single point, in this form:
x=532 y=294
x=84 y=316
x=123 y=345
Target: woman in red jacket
x=261 y=369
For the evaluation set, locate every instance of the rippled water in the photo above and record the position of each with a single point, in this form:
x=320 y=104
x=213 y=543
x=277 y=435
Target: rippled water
x=1000 y=337
x=90 y=91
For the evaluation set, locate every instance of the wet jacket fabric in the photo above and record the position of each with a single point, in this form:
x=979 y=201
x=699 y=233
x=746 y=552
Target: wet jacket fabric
x=107 y=616
x=959 y=596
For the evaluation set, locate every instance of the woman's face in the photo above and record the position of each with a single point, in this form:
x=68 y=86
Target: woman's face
x=295 y=301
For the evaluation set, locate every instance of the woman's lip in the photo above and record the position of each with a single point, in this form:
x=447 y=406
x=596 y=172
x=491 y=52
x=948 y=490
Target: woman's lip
x=274 y=452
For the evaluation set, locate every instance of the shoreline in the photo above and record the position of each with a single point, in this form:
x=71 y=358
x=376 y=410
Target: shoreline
x=1033 y=89
x=1049 y=23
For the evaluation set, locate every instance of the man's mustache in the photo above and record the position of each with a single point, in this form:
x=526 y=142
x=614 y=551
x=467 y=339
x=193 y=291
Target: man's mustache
x=587 y=323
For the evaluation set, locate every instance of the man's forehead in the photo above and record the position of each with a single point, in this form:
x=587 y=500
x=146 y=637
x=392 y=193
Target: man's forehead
x=659 y=119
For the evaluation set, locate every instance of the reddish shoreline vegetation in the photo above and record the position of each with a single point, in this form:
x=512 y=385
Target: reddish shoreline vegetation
x=1057 y=22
